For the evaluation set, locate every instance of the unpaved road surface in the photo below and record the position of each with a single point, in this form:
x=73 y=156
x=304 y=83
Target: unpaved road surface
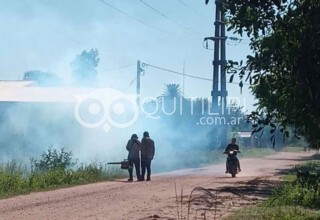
x=167 y=196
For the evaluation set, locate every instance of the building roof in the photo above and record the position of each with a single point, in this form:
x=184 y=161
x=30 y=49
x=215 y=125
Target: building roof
x=245 y=134
x=5 y=84
x=27 y=91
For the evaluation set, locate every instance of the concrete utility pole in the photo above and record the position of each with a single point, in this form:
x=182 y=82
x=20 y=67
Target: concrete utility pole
x=219 y=86
x=183 y=76
x=140 y=70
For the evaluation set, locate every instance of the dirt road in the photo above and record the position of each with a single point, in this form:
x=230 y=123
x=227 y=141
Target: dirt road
x=119 y=200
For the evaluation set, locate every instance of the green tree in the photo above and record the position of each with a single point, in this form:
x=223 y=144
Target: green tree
x=285 y=67
x=84 y=68
x=172 y=91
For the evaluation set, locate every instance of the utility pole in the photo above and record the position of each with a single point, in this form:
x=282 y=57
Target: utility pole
x=219 y=85
x=183 y=77
x=140 y=70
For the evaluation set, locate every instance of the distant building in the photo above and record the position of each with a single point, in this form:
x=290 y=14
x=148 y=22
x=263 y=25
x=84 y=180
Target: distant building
x=246 y=138
x=28 y=91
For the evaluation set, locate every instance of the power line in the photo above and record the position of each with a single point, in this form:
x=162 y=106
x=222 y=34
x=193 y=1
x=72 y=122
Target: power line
x=131 y=83
x=58 y=29
x=117 y=68
x=187 y=75
x=133 y=17
x=182 y=2
x=178 y=73
x=165 y=16
x=186 y=5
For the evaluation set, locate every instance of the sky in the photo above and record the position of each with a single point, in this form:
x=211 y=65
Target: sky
x=48 y=34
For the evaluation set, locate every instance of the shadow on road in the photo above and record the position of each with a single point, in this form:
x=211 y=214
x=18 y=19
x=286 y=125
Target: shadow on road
x=258 y=187
x=301 y=159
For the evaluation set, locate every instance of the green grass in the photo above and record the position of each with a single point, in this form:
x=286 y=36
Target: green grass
x=296 y=198
x=292 y=148
x=275 y=213
x=55 y=169
x=255 y=152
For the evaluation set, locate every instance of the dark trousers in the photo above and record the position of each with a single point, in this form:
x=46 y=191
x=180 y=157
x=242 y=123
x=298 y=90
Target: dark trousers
x=228 y=160
x=146 y=165
x=136 y=164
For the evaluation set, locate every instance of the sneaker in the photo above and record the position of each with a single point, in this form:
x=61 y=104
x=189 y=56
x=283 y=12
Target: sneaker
x=148 y=179
x=130 y=180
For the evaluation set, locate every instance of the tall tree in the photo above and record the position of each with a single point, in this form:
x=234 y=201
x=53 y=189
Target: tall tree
x=84 y=68
x=285 y=68
x=172 y=90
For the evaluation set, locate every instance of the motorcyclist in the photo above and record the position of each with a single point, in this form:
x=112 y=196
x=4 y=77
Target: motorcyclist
x=232 y=146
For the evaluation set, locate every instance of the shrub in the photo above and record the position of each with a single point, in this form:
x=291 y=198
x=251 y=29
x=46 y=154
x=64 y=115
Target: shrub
x=52 y=160
x=55 y=168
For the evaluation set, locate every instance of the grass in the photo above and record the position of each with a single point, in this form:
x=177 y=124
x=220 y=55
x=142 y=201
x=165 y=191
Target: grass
x=275 y=213
x=54 y=169
x=296 y=198
x=293 y=148
x=255 y=152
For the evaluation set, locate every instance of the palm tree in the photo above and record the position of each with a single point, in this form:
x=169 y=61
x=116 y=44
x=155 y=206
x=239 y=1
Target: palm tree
x=172 y=90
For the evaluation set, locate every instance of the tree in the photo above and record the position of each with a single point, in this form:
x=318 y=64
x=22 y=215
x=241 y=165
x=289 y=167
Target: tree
x=170 y=100
x=285 y=68
x=42 y=78
x=172 y=91
x=84 y=68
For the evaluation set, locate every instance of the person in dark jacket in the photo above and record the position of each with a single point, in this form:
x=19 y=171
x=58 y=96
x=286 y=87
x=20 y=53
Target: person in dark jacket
x=230 y=147
x=133 y=147
x=147 y=154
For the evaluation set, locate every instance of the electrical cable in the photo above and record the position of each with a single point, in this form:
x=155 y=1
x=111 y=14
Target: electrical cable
x=186 y=5
x=165 y=16
x=188 y=75
x=117 y=68
x=133 y=17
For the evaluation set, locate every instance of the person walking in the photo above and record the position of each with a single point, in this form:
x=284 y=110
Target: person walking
x=147 y=154
x=133 y=147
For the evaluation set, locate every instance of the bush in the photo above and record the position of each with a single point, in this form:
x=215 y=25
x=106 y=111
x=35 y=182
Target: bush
x=295 y=199
x=53 y=159
x=53 y=169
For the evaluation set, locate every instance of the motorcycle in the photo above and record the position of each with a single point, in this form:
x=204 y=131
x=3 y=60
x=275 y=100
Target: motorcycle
x=232 y=162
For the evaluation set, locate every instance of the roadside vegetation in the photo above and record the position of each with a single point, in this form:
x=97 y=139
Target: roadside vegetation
x=57 y=168
x=297 y=198
x=54 y=169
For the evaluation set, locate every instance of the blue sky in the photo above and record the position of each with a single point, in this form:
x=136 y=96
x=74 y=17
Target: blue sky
x=48 y=34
